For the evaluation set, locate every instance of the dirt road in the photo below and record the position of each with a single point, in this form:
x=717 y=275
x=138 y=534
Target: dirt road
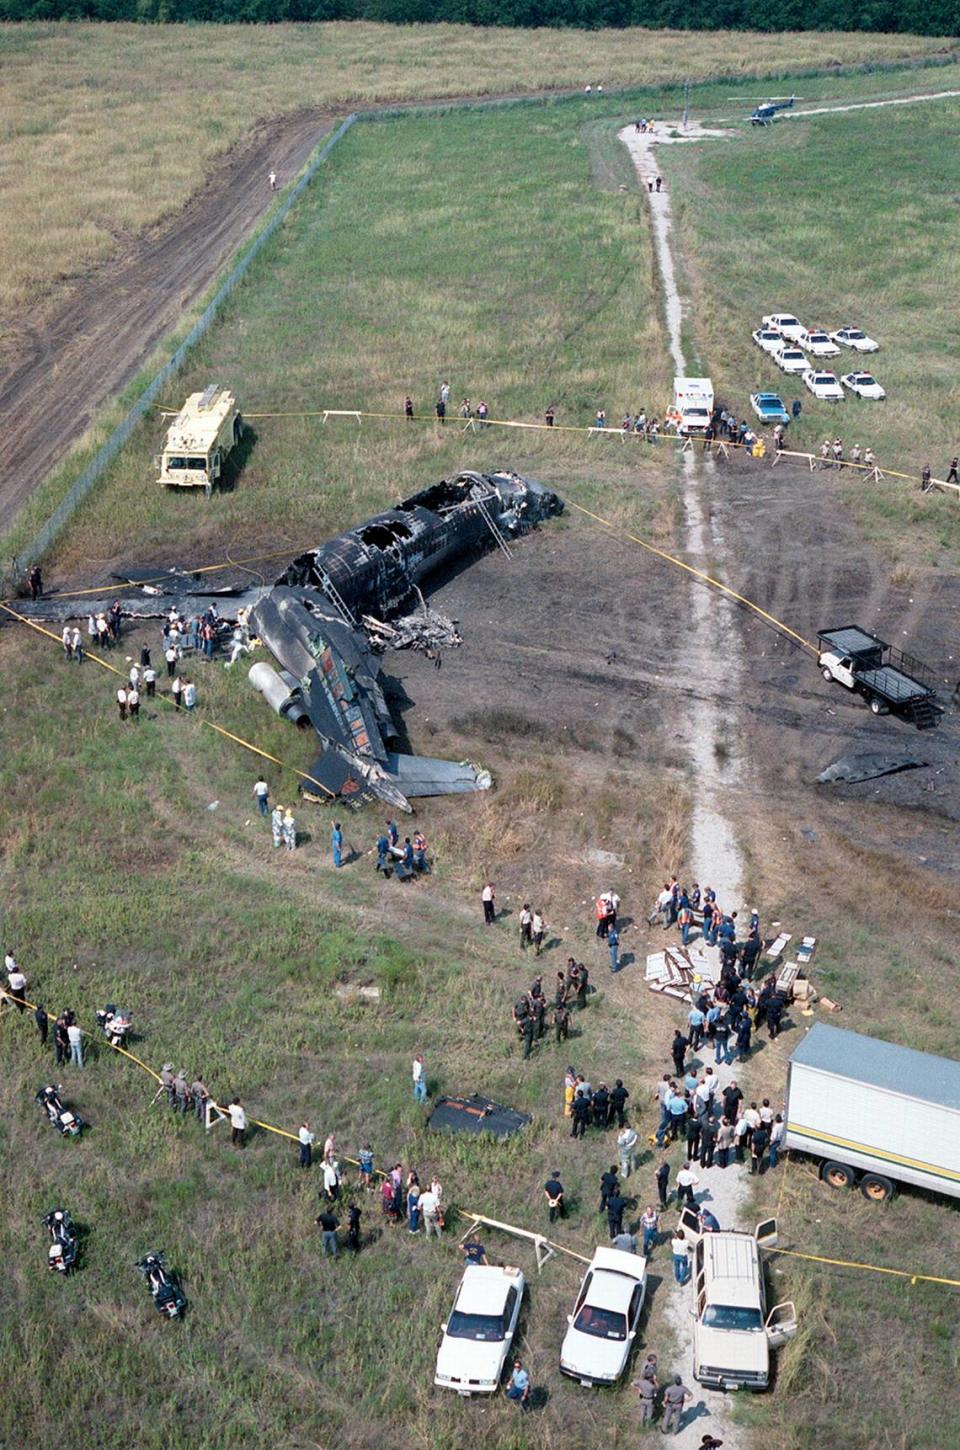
x=63 y=366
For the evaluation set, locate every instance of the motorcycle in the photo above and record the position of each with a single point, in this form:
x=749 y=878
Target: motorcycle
x=168 y=1297
x=114 y=1025
x=65 y=1121
x=65 y=1246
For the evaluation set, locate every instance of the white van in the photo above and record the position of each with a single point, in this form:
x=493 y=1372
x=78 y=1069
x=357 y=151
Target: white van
x=733 y=1332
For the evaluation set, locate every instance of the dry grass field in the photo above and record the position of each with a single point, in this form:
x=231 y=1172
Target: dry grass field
x=104 y=129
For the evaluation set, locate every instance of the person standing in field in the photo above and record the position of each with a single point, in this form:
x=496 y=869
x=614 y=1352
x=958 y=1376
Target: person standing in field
x=408 y=407
x=289 y=830
x=122 y=702
x=272 y=179
x=261 y=792
x=336 y=844
x=487 y=897
x=238 y=1122
x=276 y=825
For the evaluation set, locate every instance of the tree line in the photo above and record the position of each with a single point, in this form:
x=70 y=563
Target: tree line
x=919 y=17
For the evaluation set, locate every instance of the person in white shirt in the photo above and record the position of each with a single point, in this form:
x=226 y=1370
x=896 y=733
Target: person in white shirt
x=538 y=927
x=91 y=628
x=261 y=792
x=67 y=640
x=419 y=1080
x=133 y=702
x=122 y=702
x=134 y=676
x=306 y=1145
x=430 y=1209
x=331 y=1180
x=238 y=1123
x=76 y=645
x=9 y=962
x=17 y=985
x=687 y=1181
x=150 y=680
x=75 y=1038
x=526 y=927
x=681 y=1258
x=664 y=902
x=189 y=694
x=489 y=907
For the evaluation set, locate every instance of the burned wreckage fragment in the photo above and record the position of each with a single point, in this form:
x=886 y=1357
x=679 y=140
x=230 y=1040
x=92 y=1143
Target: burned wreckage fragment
x=324 y=615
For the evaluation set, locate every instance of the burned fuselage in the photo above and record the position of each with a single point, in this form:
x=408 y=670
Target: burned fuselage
x=375 y=568
x=312 y=623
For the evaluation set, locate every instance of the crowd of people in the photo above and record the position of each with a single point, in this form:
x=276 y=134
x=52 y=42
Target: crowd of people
x=529 y=1012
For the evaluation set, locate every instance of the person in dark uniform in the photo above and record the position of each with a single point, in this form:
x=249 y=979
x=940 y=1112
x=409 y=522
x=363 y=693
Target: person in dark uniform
x=561 y=1021
x=560 y=989
x=553 y=1192
x=678 y=1051
x=538 y=1006
x=35 y=578
x=584 y=977
x=662 y=1176
x=609 y=1185
x=694 y=1133
x=529 y=1025
x=708 y=1142
x=581 y=1115
x=441 y=410
x=618 y=1103
x=408 y=406
x=42 y=1021
x=601 y=1101
x=616 y=1204
x=353 y=1228
x=549 y=415
x=952 y=475
x=61 y=1042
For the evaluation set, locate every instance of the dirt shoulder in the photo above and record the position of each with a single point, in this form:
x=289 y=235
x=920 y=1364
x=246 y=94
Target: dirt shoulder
x=70 y=355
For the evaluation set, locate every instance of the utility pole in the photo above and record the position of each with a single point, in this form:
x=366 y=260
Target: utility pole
x=686 y=103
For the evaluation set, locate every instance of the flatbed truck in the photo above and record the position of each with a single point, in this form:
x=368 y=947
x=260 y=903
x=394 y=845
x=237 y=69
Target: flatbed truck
x=887 y=678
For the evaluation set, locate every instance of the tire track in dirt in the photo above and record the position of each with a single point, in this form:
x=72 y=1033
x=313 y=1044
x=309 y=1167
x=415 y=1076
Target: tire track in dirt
x=66 y=364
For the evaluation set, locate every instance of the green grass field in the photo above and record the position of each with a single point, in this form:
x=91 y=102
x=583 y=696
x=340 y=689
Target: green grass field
x=848 y=218
x=493 y=251
x=105 y=129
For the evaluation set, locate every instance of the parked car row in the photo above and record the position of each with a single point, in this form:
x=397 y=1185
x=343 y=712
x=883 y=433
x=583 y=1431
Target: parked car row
x=784 y=338
x=733 y=1335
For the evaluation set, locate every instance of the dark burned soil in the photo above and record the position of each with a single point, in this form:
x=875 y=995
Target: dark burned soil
x=580 y=638
x=77 y=354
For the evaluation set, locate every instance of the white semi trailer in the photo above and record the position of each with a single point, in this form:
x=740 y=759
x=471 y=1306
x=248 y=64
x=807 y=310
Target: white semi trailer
x=874 y=1111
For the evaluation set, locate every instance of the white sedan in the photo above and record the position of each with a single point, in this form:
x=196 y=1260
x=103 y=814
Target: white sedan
x=817 y=343
x=823 y=385
x=864 y=385
x=857 y=339
x=785 y=323
x=476 y=1338
x=604 y=1321
x=790 y=359
x=769 y=338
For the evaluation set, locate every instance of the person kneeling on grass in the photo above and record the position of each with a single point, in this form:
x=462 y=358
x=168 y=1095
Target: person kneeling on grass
x=519 y=1387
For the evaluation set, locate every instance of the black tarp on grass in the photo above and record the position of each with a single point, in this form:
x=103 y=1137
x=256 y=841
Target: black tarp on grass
x=476 y=1115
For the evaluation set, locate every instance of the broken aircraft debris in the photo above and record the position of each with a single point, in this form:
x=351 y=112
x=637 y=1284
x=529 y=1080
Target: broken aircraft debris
x=335 y=607
x=867 y=766
x=313 y=620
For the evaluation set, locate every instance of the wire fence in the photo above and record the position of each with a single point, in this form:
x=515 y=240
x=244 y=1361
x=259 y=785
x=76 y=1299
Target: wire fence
x=95 y=469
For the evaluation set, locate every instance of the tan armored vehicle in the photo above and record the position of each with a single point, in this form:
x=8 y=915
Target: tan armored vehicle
x=208 y=425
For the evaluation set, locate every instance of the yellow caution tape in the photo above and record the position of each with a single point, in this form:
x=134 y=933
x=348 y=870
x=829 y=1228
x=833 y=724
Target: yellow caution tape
x=699 y=574
x=165 y=701
x=869 y=1268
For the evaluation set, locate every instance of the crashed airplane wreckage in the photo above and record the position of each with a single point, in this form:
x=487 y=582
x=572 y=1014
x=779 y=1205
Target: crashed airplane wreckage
x=331 y=611
x=311 y=621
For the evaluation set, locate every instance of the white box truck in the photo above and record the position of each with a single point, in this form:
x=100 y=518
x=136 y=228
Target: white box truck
x=874 y=1111
x=692 y=405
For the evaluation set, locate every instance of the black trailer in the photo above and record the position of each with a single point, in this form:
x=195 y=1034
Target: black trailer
x=887 y=678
